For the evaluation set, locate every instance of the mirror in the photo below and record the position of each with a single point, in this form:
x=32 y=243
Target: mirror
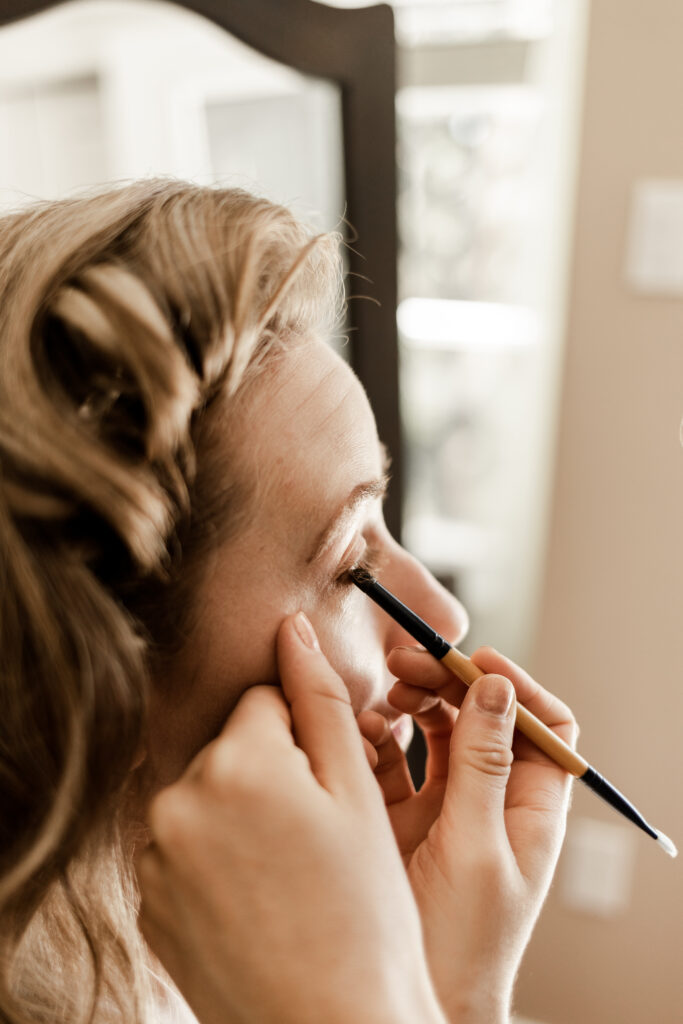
x=145 y=88
x=107 y=91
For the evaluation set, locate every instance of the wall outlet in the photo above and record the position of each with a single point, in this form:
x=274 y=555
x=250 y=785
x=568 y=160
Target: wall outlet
x=597 y=867
x=654 y=256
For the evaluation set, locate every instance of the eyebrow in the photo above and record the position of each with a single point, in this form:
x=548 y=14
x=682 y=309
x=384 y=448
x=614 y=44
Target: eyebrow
x=360 y=494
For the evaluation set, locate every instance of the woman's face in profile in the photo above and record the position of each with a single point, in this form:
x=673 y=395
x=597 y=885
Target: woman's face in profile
x=310 y=444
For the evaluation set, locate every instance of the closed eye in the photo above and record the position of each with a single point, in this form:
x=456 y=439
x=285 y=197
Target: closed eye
x=371 y=561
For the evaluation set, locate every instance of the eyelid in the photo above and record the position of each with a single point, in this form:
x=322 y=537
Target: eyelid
x=372 y=492
x=370 y=559
x=359 y=539
x=352 y=555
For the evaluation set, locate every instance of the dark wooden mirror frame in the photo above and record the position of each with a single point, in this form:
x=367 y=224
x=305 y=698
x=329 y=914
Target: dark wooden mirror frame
x=354 y=49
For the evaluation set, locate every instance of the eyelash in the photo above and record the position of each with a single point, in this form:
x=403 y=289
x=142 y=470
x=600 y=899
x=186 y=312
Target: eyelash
x=371 y=561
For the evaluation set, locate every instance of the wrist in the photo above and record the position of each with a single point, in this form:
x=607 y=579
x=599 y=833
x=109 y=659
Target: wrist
x=421 y=1004
x=431 y=1012
x=483 y=1014
x=402 y=999
x=477 y=993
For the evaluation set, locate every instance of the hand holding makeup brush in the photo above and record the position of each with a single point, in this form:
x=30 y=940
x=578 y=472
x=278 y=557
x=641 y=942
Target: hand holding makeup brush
x=481 y=838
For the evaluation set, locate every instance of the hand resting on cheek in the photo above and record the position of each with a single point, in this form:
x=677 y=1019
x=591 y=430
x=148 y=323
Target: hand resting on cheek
x=274 y=889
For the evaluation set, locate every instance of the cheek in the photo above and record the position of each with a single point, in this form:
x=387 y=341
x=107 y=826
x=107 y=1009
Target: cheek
x=352 y=642
x=190 y=704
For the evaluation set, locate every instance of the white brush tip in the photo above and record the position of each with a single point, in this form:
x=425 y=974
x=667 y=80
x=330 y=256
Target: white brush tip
x=666 y=844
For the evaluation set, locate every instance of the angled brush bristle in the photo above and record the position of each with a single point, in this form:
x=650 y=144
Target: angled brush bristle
x=361 y=577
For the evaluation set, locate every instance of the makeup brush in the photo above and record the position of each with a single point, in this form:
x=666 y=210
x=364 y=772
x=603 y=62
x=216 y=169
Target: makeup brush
x=544 y=738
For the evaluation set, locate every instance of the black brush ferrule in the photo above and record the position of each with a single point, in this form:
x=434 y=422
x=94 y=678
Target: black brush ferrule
x=615 y=799
x=412 y=623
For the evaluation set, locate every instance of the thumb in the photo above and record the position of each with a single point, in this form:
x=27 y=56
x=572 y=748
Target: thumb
x=481 y=756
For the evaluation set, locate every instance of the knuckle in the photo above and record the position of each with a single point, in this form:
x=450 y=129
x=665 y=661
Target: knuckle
x=491 y=757
x=215 y=767
x=229 y=778
x=332 y=689
x=575 y=729
x=169 y=818
x=547 y=705
x=568 y=728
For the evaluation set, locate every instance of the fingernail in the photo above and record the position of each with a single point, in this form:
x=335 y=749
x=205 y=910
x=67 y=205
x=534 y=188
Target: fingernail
x=306 y=631
x=494 y=694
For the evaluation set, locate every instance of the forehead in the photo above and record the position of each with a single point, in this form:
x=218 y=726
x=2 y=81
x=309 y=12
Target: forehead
x=308 y=435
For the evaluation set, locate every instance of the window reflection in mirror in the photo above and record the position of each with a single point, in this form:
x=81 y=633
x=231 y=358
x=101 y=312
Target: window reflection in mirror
x=97 y=91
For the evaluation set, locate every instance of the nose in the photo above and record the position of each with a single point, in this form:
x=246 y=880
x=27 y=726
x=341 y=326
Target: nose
x=413 y=584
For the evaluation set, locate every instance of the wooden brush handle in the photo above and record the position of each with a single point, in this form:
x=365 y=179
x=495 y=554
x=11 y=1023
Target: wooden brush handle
x=544 y=738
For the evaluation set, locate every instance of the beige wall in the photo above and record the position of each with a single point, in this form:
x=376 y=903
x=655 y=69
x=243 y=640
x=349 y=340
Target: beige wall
x=611 y=630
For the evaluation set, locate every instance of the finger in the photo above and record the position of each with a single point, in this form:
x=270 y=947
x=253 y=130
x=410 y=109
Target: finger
x=430 y=711
x=261 y=713
x=373 y=726
x=411 y=700
x=323 y=719
x=370 y=753
x=437 y=724
x=548 y=708
x=418 y=667
x=536 y=804
x=414 y=665
x=435 y=718
x=257 y=705
x=480 y=761
x=391 y=770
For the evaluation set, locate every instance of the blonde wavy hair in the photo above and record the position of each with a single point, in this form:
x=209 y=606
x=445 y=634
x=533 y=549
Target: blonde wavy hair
x=125 y=316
